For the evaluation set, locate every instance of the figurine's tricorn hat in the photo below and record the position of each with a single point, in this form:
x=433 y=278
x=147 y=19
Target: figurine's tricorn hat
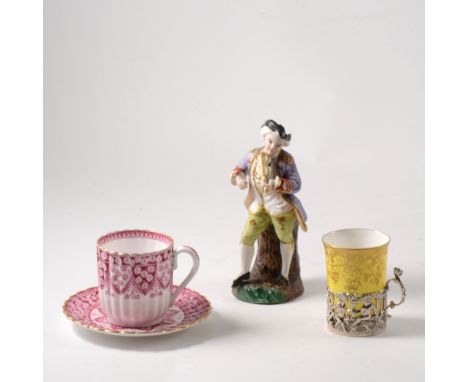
x=271 y=126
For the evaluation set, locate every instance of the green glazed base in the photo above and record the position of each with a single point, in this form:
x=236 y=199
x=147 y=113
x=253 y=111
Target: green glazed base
x=261 y=294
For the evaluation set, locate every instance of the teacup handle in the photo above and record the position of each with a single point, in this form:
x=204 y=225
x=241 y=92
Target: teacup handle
x=397 y=272
x=196 y=263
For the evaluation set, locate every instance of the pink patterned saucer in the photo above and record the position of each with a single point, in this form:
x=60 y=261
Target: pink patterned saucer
x=84 y=309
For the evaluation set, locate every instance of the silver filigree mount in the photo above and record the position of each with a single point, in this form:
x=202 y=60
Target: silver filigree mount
x=366 y=315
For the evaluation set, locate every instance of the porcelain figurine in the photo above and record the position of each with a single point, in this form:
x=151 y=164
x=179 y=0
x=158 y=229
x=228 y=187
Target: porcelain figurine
x=274 y=214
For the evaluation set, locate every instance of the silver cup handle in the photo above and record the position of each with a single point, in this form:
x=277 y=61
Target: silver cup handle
x=397 y=272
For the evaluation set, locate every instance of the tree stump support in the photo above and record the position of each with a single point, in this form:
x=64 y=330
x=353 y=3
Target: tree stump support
x=265 y=285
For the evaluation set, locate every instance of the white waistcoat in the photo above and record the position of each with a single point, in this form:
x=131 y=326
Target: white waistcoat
x=261 y=171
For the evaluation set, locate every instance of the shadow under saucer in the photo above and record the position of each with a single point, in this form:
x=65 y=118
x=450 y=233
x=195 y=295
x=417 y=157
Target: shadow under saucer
x=215 y=326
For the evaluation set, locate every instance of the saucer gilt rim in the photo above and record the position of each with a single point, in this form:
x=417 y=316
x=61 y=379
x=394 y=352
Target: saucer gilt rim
x=127 y=333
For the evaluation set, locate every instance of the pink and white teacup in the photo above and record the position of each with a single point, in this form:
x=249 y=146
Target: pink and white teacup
x=135 y=269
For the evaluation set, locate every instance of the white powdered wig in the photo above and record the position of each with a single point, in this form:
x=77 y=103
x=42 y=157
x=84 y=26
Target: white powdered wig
x=266 y=130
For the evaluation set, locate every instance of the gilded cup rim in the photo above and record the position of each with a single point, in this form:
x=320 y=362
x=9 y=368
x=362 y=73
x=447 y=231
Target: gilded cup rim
x=386 y=243
x=101 y=246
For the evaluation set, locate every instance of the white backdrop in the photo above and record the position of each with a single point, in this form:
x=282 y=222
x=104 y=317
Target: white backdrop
x=148 y=105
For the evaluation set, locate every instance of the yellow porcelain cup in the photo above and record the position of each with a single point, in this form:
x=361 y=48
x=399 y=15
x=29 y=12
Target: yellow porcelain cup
x=356 y=261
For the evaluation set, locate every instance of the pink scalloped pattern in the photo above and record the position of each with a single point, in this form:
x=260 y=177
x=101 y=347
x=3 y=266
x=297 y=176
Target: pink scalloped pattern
x=84 y=308
x=132 y=276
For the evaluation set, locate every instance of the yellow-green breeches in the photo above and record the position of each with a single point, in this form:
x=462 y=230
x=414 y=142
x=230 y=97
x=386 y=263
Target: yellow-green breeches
x=258 y=222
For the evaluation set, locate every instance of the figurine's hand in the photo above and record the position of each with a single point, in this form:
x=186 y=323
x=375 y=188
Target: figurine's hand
x=241 y=182
x=282 y=186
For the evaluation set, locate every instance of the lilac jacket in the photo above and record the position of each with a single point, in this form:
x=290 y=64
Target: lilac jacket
x=286 y=169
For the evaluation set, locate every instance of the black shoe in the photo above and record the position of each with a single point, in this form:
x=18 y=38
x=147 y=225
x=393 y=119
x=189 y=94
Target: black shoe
x=242 y=279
